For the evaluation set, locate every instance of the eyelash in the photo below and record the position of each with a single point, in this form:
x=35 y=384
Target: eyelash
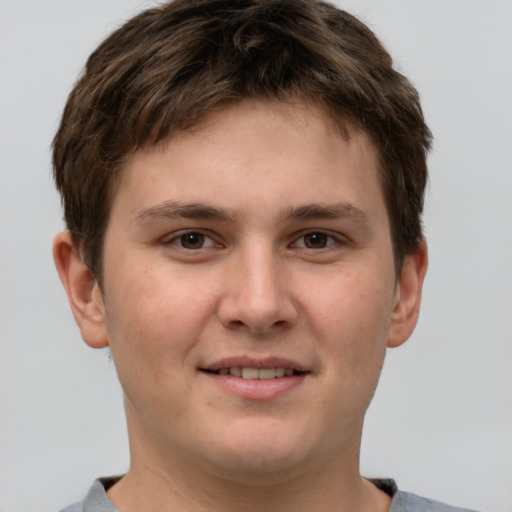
x=178 y=240
x=327 y=237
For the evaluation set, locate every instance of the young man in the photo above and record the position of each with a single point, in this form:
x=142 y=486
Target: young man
x=243 y=184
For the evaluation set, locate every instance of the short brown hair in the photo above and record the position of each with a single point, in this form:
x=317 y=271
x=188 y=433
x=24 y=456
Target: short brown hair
x=166 y=67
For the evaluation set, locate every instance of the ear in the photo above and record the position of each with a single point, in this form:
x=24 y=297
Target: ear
x=408 y=298
x=83 y=291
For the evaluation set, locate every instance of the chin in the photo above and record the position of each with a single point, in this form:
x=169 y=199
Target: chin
x=260 y=451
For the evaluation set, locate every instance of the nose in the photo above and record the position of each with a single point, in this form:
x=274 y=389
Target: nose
x=257 y=294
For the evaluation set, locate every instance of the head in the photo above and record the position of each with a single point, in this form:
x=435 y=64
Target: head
x=243 y=183
x=164 y=70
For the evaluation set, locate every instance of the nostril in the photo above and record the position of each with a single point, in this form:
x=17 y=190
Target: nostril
x=240 y=323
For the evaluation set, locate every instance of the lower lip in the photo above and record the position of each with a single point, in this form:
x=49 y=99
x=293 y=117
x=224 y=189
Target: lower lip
x=257 y=389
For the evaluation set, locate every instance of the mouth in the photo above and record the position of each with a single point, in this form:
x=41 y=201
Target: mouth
x=252 y=373
x=257 y=378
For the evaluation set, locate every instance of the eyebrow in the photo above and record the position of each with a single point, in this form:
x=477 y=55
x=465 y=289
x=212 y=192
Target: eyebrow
x=173 y=210
x=329 y=211
x=201 y=211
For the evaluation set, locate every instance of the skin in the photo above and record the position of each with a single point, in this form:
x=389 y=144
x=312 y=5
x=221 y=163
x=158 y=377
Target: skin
x=290 y=256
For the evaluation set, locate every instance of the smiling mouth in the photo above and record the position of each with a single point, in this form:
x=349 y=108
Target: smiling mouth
x=256 y=373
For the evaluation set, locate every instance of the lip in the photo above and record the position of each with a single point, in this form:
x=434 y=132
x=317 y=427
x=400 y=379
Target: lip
x=256 y=389
x=250 y=362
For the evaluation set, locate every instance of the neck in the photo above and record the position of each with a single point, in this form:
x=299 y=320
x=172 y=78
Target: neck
x=155 y=483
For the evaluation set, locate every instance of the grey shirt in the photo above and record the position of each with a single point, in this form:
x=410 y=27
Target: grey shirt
x=97 y=500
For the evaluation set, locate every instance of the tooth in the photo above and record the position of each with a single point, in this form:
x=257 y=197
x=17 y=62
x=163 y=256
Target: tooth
x=235 y=371
x=250 y=373
x=255 y=373
x=280 y=372
x=266 y=373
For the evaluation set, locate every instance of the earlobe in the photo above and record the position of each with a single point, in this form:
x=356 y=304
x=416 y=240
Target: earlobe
x=407 y=305
x=82 y=289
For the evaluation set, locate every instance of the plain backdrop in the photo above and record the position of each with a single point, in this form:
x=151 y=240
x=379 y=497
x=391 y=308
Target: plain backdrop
x=441 y=421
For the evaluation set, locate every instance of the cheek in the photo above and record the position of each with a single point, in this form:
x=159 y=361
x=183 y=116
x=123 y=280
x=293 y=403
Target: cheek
x=353 y=317
x=153 y=321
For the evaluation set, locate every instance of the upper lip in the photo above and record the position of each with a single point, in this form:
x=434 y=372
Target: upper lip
x=251 y=362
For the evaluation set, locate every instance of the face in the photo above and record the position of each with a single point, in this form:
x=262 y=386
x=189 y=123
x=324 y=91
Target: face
x=249 y=291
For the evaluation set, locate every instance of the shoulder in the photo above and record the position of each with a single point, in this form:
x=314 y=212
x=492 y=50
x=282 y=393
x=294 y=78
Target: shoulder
x=76 y=507
x=407 y=502
x=96 y=499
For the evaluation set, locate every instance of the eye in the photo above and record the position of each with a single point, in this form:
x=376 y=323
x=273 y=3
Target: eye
x=315 y=240
x=192 y=240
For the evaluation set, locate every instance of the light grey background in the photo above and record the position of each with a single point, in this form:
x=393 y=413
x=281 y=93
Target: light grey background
x=441 y=421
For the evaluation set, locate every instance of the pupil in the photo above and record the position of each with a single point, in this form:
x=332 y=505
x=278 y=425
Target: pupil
x=192 y=240
x=315 y=240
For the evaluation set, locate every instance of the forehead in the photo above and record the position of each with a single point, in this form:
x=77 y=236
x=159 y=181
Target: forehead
x=256 y=150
